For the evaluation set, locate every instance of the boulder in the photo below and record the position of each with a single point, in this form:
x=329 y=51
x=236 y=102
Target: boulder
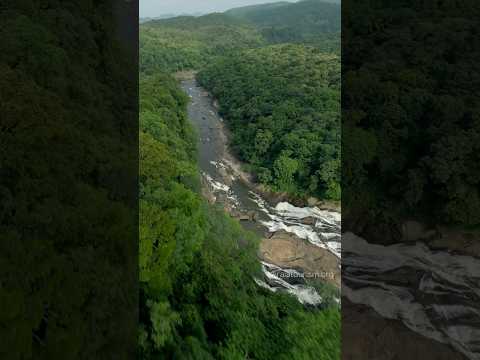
x=289 y=251
x=310 y=220
x=414 y=231
x=252 y=215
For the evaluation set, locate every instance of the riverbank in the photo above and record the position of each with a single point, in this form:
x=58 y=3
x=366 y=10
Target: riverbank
x=301 y=240
x=248 y=179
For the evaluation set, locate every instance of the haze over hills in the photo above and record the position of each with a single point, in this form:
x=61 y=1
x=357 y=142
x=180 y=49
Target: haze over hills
x=168 y=16
x=324 y=15
x=313 y=22
x=246 y=10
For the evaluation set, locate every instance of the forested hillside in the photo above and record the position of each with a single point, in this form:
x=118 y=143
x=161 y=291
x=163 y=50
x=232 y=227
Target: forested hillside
x=315 y=22
x=198 y=299
x=282 y=104
x=186 y=43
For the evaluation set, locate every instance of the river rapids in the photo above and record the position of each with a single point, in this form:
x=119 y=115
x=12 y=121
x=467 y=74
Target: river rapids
x=443 y=302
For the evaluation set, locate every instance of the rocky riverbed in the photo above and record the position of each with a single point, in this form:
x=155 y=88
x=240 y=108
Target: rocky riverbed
x=300 y=238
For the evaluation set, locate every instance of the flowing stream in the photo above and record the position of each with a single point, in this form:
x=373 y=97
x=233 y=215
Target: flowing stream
x=221 y=173
x=434 y=293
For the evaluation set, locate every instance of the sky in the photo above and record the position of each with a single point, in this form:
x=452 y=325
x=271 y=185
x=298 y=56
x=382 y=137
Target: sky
x=153 y=8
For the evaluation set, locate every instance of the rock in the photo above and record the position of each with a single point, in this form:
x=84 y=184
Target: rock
x=329 y=206
x=244 y=216
x=227 y=179
x=311 y=201
x=414 y=231
x=310 y=220
x=368 y=336
x=461 y=241
x=289 y=251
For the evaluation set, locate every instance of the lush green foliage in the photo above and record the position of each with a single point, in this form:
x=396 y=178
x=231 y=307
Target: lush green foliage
x=314 y=22
x=189 y=43
x=282 y=104
x=67 y=180
x=413 y=113
x=198 y=298
x=186 y=43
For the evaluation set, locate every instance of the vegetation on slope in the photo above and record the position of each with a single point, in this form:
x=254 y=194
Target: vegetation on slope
x=313 y=22
x=282 y=104
x=187 y=42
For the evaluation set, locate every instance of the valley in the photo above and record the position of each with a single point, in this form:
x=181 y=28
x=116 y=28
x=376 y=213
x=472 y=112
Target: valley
x=240 y=196
x=301 y=239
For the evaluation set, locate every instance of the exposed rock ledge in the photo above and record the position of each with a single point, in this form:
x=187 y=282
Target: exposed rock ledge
x=289 y=251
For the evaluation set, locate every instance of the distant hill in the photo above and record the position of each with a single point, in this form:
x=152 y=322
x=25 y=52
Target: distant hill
x=147 y=19
x=191 y=42
x=315 y=22
x=188 y=42
x=143 y=20
x=194 y=22
x=245 y=11
x=309 y=16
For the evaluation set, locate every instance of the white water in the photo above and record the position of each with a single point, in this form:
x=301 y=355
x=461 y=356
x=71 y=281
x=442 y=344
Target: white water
x=273 y=274
x=285 y=216
x=443 y=304
x=325 y=231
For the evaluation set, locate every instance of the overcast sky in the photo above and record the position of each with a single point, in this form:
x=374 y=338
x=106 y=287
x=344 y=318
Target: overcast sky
x=152 y=8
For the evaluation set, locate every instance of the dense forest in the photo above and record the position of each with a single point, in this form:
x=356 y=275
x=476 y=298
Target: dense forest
x=68 y=175
x=186 y=43
x=281 y=97
x=282 y=104
x=198 y=299
x=278 y=22
x=414 y=113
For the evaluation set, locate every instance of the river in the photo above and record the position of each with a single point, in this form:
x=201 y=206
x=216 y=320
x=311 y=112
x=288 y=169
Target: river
x=443 y=302
x=227 y=184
